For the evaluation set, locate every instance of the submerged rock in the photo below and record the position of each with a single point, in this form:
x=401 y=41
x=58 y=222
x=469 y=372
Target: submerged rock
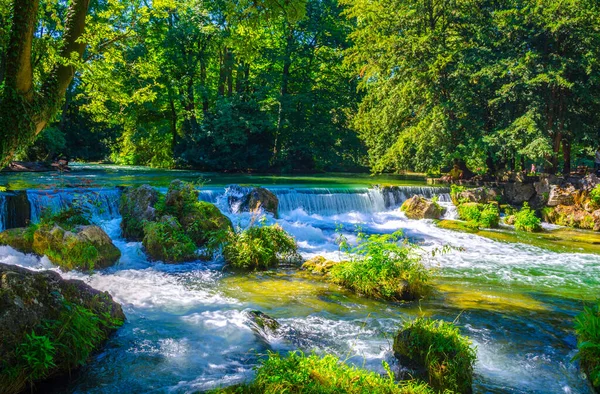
x=82 y=247
x=260 y=198
x=49 y=326
x=262 y=322
x=418 y=207
x=137 y=206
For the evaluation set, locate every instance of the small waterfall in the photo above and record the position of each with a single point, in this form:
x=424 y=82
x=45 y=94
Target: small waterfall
x=101 y=203
x=3 y=215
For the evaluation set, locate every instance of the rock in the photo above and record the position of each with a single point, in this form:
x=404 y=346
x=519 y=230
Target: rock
x=262 y=322
x=418 y=207
x=319 y=265
x=561 y=196
x=84 y=248
x=137 y=206
x=28 y=166
x=480 y=195
x=589 y=182
x=260 y=198
x=572 y=216
x=57 y=311
x=544 y=185
x=167 y=241
x=518 y=192
x=510 y=220
x=199 y=219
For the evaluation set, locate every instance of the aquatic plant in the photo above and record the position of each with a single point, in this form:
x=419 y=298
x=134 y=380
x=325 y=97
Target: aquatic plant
x=259 y=247
x=483 y=215
x=587 y=328
x=383 y=266
x=438 y=349
x=299 y=373
x=526 y=220
x=167 y=241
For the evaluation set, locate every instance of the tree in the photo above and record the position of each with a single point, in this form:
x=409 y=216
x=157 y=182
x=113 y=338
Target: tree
x=25 y=108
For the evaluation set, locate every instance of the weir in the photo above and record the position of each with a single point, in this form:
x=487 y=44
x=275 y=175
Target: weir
x=18 y=209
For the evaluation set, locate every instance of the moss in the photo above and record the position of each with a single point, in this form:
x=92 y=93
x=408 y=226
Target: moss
x=587 y=328
x=437 y=351
x=138 y=205
x=298 y=373
x=166 y=241
x=319 y=265
x=19 y=238
x=420 y=208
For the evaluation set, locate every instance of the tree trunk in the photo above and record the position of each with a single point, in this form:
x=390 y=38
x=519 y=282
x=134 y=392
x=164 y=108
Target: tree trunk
x=25 y=113
x=285 y=76
x=555 y=150
x=566 y=145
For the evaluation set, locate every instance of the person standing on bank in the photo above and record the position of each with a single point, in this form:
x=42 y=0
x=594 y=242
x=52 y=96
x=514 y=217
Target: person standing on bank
x=597 y=161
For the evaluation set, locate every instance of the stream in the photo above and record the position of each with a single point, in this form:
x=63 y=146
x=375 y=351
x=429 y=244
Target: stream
x=186 y=330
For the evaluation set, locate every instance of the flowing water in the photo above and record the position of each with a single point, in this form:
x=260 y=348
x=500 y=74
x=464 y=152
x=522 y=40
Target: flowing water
x=187 y=331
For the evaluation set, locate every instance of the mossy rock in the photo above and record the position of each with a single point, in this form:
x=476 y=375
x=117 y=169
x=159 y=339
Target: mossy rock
x=199 y=219
x=260 y=198
x=510 y=220
x=436 y=352
x=20 y=239
x=572 y=216
x=60 y=322
x=262 y=324
x=418 y=207
x=137 y=206
x=83 y=248
x=319 y=265
x=167 y=241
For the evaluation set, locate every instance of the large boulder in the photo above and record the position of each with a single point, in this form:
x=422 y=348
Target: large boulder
x=418 y=207
x=545 y=183
x=49 y=326
x=137 y=206
x=572 y=216
x=518 y=192
x=480 y=195
x=319 y=265
x=83 y=247
x=166 y=241
x=561 y=196
x=260 y=198
x=199 y=219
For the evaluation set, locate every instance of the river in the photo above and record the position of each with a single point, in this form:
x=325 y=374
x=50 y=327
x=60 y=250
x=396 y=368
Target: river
x=186 y=330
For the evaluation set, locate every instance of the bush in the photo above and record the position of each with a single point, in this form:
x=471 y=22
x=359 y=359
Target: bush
x=259 y=247
x=587 y=328
x=438 y=348
x=484 y=215
x=298 y=373
x=68 y=218
x=526 y=220
x=595 y=196
x=166 y=241
x=380 y=267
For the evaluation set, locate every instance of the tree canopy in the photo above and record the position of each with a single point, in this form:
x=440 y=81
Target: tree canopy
x=301 y=85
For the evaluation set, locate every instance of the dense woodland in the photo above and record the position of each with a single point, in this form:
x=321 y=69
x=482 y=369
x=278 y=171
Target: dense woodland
x=302 y=85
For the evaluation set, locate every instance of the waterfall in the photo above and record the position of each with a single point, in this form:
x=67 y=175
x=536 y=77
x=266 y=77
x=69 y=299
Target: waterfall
x=101 y=203
x=3 y=215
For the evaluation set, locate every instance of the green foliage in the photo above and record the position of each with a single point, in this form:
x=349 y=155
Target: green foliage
x=259 y=247
x=37 y=355
x=299 y=373
x=484 y=215
x=587 y=328
x=383 y=266
x=67 y=218
x=595 y=196
x=438 y=347
x=526 y=220
x=167 y=241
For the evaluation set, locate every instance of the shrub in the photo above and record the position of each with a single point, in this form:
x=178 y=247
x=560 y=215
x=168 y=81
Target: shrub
x=526 y=220
x=259 y=247
x=484 y=215
x=438 y=348
x=595 y=196
x=298 y=373
x=587 y=328
x=68 y=218
x=382 y=267
x=166 y=241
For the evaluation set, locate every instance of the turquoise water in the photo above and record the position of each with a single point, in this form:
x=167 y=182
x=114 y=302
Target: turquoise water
x=187 y=331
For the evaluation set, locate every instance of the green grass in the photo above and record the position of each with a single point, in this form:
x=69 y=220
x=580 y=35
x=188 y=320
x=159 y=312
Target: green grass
x=383 y=266
x=587 y=328
x=259 y=247
x=299 y=373
x=526 y=220
x=438 y=348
